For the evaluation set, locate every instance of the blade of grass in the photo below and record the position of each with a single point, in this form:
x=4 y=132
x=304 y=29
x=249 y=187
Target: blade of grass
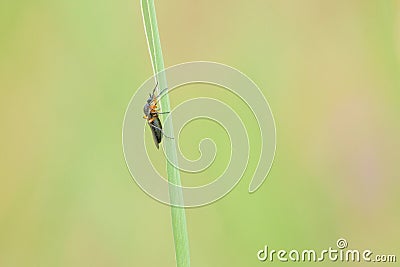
x=178 y=216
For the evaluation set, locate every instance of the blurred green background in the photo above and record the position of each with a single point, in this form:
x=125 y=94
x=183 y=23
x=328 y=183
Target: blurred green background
x=329 y=69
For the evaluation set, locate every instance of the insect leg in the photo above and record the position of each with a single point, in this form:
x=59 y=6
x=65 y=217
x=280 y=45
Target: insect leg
x=155 y=127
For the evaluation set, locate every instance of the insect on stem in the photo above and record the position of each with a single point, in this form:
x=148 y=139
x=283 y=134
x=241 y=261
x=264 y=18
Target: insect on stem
x=151 y=115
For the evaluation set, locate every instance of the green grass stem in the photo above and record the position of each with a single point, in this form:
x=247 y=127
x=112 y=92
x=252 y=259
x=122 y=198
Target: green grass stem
x=178 y=216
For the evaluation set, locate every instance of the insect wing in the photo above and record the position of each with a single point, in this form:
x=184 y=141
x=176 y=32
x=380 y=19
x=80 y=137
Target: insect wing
x=156 y=129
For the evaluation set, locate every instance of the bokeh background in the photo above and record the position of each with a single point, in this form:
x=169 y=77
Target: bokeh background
x=329 y=69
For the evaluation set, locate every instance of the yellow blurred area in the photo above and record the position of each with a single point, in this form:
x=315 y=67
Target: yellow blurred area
x=330 y=71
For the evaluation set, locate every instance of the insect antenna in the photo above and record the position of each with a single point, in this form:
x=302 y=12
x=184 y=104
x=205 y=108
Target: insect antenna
x=154 y=90
x=161 y=92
